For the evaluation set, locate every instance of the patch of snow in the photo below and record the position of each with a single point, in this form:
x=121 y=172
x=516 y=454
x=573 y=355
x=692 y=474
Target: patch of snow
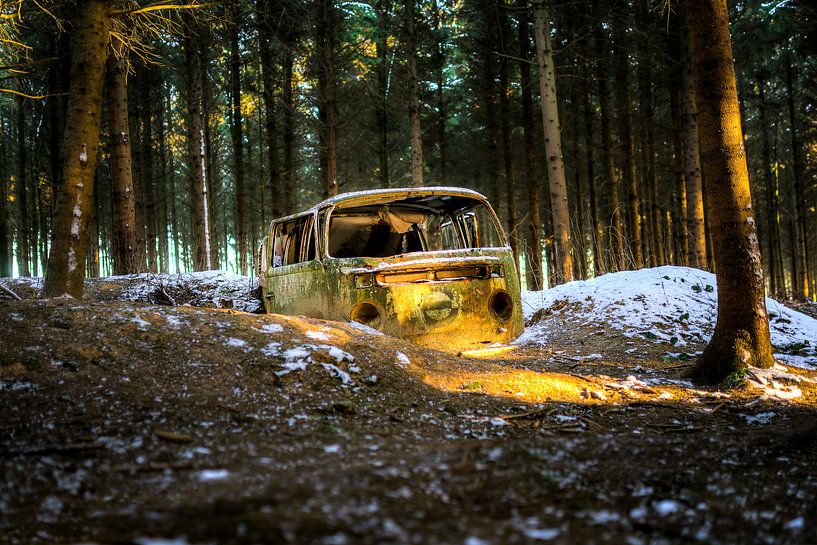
x=160 y=541
x=318 y=335
x=212 y=475
x=272 y=350
x=590 y=357
x=803 y=362
x=795 y=524
x=759 y=418
x=143 y=324
x=603 y=517
x=544 y=534
x=299 y=357
x=270 y=328
x=238 y=343
x=402 y=359
x=364 y=328
x=667 y=507
x=204 y=288
x=175 y=321
x=331 y=449
x=675 y=305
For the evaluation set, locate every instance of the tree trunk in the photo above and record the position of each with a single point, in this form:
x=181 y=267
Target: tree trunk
x=680 y=194
x=553 y=145
x=533 y=239
x=66 y=259
x=488 y=106
x=164 y=194
x=5 y=247
x=279 y=197
x=616 y=227
x=382 y=101
x=773 y=257
x=696 y=240
x=326 y=29
x=505 y=124
x=742 y=330
x=148 y=182
x=134 y=122
x=237 y=134
x=595 y=222
x=627 y=139
x=414 y=98
x=197 y=158
x=442 y=111
x=803 y=281
x=122 y=194
x=289 y=129
x=21 y=186
x=646 y=92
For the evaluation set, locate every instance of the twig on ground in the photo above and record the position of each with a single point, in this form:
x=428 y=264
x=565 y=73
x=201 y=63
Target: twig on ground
x=10 y=293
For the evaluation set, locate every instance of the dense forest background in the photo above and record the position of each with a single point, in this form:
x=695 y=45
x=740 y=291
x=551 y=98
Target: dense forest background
x=219 y=117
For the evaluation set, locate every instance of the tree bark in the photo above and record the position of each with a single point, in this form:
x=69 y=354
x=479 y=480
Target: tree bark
x=802 y=281
x=122 y=194
x=289 y=127
x=326 y=29
x=696 y=239
x=616 y=227
x=553 y=145
x=414 y=97
x=279 y=197
x=505 y=124
x=197 y=158
x=237 y=135
x=742 y=330
x=627 y=140
x=442 y=110
x=646 y=92
x=595 y=222
x=679 y=195
x=66 y=259
x=5 y=247
x=773 y=256
x=533 y=239
x=146 y=154
x=382 y=101
x=21 y=186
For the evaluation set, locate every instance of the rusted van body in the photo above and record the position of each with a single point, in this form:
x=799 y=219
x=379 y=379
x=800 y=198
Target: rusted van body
x=428 y=264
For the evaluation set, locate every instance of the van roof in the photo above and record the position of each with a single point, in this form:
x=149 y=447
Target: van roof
x=377 y=196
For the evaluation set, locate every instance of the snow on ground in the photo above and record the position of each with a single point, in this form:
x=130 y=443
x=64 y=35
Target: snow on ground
x=676 y=305
x=218 y=289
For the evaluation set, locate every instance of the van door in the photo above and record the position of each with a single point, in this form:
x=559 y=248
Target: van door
x=295 y=279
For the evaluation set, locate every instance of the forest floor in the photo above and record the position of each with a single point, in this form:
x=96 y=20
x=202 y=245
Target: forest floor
x=130 y=422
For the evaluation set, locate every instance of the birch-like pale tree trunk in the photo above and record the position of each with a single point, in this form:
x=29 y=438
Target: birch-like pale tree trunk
x=553 y=145
x=65 y=273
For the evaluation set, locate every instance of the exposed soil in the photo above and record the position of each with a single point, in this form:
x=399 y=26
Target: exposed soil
x=121 y=422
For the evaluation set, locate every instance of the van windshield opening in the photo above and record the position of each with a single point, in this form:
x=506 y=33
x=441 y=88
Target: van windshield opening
x=419 y=224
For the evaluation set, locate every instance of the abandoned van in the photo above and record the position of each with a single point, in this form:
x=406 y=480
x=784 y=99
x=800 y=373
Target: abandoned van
x=431 y=265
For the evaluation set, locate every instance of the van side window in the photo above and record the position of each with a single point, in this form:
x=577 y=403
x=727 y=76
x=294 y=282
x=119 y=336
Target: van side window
x=293 y=242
